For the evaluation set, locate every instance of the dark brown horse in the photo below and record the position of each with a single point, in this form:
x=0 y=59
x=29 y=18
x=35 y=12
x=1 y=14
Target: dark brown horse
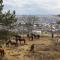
x=14 y=43
x=17 y=37
x=10 y=42
x=7 y=43
x=2 y=52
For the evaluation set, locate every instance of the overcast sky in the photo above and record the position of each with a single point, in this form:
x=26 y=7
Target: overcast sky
x=33 y=7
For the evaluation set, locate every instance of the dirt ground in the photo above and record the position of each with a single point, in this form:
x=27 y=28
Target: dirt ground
x=18 y=53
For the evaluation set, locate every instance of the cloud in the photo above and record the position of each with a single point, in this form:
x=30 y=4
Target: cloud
x=33 y=7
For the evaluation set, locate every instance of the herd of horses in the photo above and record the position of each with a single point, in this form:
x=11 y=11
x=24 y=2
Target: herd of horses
x=33 y=36
x=17 y=38
x=20 y=39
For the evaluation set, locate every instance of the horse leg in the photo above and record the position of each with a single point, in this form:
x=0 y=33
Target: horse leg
x=3 y=52
x=31 y=38
x=24 y=41
x=20 y=42
x=16 y=44
x=6 y=44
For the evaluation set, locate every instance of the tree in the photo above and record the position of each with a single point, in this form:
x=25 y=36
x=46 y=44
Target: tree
x=1 y=16
x=1 y=8
x=1 y=5
x=7 y=21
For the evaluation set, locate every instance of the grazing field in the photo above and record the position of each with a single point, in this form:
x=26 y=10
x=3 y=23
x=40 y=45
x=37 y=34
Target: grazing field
x=44 y=49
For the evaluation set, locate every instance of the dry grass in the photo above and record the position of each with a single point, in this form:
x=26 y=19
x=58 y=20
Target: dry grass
x=19 y=52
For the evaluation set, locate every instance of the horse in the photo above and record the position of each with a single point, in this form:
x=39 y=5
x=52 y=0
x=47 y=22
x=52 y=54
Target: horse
x=10 y=42
x=32 y=48
x=14 y=43
x=22 y=40
x=2 y=52
x=17 y=37
x=7 y=43
x=30 y=36
x=36 y=36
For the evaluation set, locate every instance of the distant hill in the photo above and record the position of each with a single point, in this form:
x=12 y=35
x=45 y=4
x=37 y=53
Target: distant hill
x=42 y=19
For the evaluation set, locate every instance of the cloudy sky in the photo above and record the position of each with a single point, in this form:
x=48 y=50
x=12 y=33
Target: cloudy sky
x=33 y=7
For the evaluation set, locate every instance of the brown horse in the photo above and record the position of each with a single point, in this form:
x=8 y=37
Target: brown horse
x=22 y=40
x=14 y=43
x=2 y=52
x=7 y=43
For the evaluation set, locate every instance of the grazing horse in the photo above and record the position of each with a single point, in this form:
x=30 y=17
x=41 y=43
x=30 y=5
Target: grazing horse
x=14 y=43
x=30 y=36
x=17 y=38
x=22 y=40
x=7 y=43
x=2 y=52
x=36 y=36
x=33 y=36
x=10 y=42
